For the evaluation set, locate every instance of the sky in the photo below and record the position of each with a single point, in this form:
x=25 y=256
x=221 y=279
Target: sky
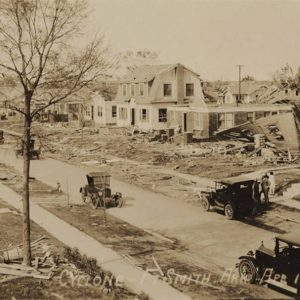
x=210 y=37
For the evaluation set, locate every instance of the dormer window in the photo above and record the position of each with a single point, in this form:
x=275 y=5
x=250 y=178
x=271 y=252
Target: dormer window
x=189 y=89
x=142 y=89
x=167 y=89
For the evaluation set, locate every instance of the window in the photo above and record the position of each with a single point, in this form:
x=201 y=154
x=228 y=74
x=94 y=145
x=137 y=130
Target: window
x=123 y=113
x=250 y=116
x=124 y=90
x=114 y=111
x=142 y=89
x=229 y=120
x=221 y=121
x=162 y=115
x=99 y=111
x=132 y=90
x=297 y=92
x=167 y=89
x=87 y=111
x=189 y=89
x=144 y=114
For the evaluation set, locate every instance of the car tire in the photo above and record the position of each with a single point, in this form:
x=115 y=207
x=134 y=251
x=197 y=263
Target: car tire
x=247 y=271
x=205 y=203
x=229 y=211
x=95 y=201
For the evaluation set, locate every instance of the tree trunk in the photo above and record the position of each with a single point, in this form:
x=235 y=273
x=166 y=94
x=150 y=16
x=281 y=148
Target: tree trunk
x=26 y=168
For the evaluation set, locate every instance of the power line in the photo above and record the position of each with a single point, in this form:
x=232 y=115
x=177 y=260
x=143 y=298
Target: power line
x=240 y=87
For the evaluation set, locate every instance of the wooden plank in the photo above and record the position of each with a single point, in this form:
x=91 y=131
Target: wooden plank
x=8 y=271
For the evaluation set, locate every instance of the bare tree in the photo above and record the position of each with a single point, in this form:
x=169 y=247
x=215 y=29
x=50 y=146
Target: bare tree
x=37 y=50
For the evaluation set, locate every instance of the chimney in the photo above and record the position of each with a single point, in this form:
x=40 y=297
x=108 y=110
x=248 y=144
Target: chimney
x=180 y=84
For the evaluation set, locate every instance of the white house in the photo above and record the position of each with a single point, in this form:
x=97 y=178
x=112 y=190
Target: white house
x=101 y=111
x=145 y=94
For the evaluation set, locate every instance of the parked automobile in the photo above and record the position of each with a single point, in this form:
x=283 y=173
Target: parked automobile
x=279 y=266
x=98 y=191
x=233 y=196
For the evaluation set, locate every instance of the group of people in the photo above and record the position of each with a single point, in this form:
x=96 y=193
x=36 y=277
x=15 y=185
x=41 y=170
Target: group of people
x=265 y=187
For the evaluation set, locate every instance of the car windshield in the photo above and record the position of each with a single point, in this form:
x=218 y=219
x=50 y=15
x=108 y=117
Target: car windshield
x=285 y=249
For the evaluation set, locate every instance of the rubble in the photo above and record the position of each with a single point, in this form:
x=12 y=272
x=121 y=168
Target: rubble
x=11 y=267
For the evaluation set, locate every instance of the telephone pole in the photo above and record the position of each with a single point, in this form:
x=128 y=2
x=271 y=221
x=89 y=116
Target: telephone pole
x=240 y=84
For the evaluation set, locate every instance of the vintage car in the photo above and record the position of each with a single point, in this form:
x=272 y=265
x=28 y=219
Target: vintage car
x=279 y=266
x=235 y=196
x=98 y=191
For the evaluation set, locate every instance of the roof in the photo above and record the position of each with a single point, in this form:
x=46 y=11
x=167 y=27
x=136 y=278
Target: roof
x=233 y=180
x=290 y=238
x=146 y=73
x=246 y=87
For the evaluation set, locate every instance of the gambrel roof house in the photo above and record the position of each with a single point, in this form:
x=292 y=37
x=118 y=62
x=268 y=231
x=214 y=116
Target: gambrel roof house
x=145 y=94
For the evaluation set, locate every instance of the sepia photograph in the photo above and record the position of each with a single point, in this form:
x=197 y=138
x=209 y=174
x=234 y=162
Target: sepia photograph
x=149 y=149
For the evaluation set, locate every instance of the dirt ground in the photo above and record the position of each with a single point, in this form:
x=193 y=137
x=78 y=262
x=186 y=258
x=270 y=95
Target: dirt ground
x=11 y=235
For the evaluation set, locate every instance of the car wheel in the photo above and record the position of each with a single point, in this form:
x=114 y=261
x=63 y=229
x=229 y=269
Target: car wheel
x=229 y=211
x=95 y=201
x=247 y=271
x=205 y=203
x=120 y=202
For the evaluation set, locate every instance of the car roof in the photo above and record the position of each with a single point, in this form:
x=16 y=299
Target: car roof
x=236 y=179
x=290 y=238
x=98 y=174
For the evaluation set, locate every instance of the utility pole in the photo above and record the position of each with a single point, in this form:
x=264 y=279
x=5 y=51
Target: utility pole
x=240 y=84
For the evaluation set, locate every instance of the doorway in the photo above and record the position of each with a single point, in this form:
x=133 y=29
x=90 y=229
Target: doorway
x=132 y=116
x=184 y=122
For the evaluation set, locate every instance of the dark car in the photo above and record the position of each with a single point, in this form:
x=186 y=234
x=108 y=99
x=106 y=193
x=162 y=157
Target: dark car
x=234 y=196
x=98 y=191
x=279 y=266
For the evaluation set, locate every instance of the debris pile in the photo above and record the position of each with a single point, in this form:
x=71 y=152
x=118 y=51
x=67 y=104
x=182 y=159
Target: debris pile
x=44 y=264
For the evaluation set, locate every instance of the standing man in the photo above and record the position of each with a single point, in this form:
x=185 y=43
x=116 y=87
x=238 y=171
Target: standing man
x=272 y=183
x=265 y=185
x=256 y=197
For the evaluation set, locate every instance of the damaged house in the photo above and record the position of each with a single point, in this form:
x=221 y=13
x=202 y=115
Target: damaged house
x=146 y=94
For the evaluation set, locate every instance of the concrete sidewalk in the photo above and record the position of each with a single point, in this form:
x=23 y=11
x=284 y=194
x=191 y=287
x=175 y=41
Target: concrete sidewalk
x=136 y=279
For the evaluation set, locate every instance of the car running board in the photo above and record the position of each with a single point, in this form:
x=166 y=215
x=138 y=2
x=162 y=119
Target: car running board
x=281 y=285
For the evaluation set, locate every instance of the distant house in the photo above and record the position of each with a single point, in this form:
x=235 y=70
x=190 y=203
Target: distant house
x=146 y=94
x=250 y=92
x=101 y=111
